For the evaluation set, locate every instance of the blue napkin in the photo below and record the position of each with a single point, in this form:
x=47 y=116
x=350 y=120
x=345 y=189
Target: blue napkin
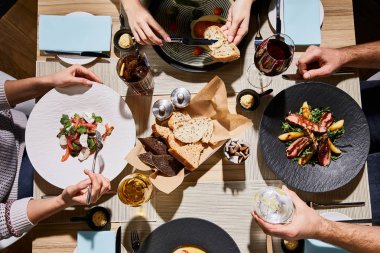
x=96 y=242
x=302 y=21
x=75 y=33
x=316 y=246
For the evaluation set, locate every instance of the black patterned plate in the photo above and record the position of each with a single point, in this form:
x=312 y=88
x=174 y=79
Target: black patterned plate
x=354 y=143
x=189 y=232
x=179 y=55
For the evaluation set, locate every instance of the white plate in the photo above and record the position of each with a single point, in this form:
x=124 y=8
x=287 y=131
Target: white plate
x=272 y=14
x=44 y=123
x=77 y=59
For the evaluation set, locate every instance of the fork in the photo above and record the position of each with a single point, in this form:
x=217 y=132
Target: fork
x=135 y=241
x=99 y=146
x=258 y=38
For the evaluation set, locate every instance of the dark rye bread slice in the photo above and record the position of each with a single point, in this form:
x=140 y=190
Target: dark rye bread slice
x=167 y=164
x=154 y=145
x=146 y=158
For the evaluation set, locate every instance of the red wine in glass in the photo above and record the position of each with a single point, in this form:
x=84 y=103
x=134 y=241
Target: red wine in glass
x=272 y=57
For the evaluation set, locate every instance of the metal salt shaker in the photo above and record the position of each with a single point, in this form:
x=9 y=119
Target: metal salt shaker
x=162 y=109
x=180 y=97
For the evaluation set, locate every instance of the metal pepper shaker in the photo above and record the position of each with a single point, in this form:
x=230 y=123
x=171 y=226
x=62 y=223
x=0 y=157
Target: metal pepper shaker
x=180 y=97
x=162 y=109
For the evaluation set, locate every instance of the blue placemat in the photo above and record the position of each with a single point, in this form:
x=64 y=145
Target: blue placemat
x=316 y=246
x=96 y=242
x=302 y=21
x=75 y=33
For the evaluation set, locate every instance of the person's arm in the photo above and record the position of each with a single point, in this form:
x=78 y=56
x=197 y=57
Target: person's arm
x=18 y=91
x=237 y=23
x=19 y=216
x=328 y=60
x=143 y=25
x=307 y=223
x=40 y=209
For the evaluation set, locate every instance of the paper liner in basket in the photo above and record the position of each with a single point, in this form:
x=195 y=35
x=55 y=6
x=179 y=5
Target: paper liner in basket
x=211 y=102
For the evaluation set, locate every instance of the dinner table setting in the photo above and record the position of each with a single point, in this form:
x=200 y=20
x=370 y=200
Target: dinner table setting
x=194 y=138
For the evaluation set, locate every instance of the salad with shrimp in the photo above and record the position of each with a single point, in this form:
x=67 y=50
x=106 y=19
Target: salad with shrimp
x=77 y=134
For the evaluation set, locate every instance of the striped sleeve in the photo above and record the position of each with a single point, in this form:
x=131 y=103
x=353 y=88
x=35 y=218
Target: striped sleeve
x=14 y=220
x=4 y=104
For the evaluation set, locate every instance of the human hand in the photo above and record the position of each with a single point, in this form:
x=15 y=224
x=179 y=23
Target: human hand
x=238 y=20
x=73 y=75
x=143 y=25
x=327 y=60
x=306 y=222
x=77 y=194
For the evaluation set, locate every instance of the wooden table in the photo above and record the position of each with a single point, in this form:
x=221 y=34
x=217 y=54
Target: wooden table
x=218 y=191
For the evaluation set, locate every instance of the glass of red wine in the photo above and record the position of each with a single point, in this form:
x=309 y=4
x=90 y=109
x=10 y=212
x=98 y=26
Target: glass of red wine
x=272 y=57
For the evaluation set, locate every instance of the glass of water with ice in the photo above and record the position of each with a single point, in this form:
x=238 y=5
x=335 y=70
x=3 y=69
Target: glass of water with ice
x=273 y=205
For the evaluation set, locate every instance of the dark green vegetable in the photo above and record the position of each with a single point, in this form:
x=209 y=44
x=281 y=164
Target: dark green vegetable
x=286 y=128
x=65 y=121
x=82 y=130
x=91 y=143
x=97 y=119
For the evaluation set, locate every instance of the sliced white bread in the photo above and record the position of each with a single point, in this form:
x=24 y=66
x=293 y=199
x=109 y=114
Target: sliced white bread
x=194 y=130
x=208 y=133
x=189 y=154
x=178 y=117
x=222 y=50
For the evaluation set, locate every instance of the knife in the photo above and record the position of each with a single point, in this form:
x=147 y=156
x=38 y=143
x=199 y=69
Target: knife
x=298 y=77
x=278 y=17
x=89 y=54
x=118 y=240
x=193 y=42
x=355 y=221
x=334 y=205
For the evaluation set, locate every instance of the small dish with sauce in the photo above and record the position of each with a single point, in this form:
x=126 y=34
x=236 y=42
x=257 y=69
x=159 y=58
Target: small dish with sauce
x=249 y=100
x=123 y=39
x=97 y=218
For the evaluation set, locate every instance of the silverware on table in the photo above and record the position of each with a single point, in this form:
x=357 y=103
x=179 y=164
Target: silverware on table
x=357 y=221
x=278 y=16
x=334 y=205
x=135 y=241
x=118 y=240
x=258 y=38
x=99 y=146
x=89 y=54
x=193 y=42
x=299 y=77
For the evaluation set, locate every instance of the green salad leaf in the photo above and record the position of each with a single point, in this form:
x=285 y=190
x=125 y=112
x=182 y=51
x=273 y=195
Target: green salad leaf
x=286 y=127
x=91 y=143
x=335 y=134
x=65 y=121
x=97 y=119
x=317 y=113
x=82 y=130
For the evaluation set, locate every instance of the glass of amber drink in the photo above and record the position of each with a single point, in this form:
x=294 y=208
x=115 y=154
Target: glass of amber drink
x=135 y=189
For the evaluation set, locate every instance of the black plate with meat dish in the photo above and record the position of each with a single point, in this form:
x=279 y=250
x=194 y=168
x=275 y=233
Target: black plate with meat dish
x=179 y=55
x=189 y=232
x=354 y=142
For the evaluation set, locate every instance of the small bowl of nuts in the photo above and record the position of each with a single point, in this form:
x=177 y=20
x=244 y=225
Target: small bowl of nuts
x=236 y=151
